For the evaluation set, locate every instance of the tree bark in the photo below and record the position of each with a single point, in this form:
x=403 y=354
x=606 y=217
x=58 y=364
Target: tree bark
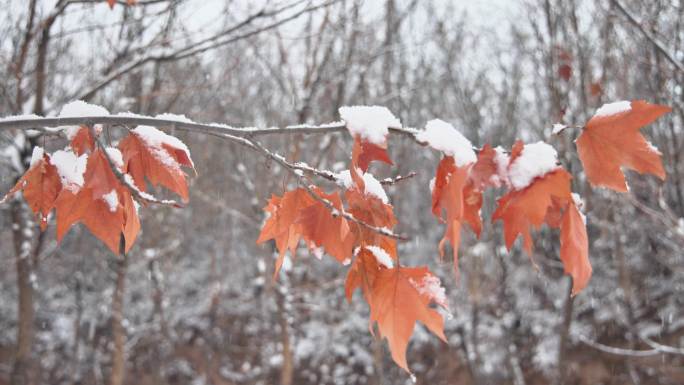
x=564 y=334
x=118 y=332
x=22 y=232
x=287 y=369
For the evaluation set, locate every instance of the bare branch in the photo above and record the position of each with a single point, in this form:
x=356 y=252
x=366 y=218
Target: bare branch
x=304 y=183
x=397 y=179
x=221 y=129
x=661 y=348
x=617 y=351
x=656 y=43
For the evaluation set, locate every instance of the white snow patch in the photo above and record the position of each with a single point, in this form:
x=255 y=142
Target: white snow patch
x=174 y=117
x=369 y=122
x=12 y=118
x=653 y=148
x=37 y=155
x=112 y=200
x=155 y=138
x=442 y=136
x=372 y=185
x=579 y=202
x=614 y=108
x=287 y=264
x=129 y=114
x=381 y=256
x=431 y=286
x=535 y=160
x=557 y=128
x=70 y=168
x=115 y=155
x=77 y=109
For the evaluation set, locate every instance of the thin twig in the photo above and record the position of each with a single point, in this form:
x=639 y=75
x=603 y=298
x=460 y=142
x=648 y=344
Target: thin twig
x=397 y=179
x=139 y=195
x=305 y=184
x=617 y=351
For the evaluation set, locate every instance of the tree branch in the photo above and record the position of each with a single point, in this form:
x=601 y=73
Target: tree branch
x=656 y=43
x=617 y=351
x=137 y=194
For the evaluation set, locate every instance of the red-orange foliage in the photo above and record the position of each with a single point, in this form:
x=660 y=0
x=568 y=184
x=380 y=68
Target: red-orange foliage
x=355 y=225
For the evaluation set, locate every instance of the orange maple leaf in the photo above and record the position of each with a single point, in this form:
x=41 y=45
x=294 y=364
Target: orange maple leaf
x=160 y=165
x=548 y=200
x=485 y=169
x=362 y=274
x=611 y=139
x=575 y=248
x=365 y=152
x=521 y=209
x=40 y=185
x=103 y=205
x=373 y=211
x=323 y=229
x=297 y=215
x=282 y=225
x=83 y=141
x=455 y=195
x=399 y=297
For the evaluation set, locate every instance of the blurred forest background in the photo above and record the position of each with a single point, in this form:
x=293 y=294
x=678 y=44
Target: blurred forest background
x=199 y=305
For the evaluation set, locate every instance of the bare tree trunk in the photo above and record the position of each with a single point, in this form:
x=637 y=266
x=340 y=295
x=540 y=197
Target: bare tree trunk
x=378 y=356
x=627 y=292
x=78 y=299
x=22 y=231
x=118 y=332
x=564 y=334
x=287 y=369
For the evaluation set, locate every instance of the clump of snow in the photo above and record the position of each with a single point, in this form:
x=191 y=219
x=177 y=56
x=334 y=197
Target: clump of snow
x=174 y=117
x=653 y=148
x=20 y=117
x=372 y=185
x=318 y=252
x=156 y=138
x=442 y=136
x=431 y=287
x=115 y=155
x=129 y=114
x=557 y=128
x=37 y=155
x=535 y=160
x=131 y=185
x=112 y=200
x=614 y=108
x=77 y=109
x=579 y=202
x=70 y=168
x=369 y=122
x=381 y=256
